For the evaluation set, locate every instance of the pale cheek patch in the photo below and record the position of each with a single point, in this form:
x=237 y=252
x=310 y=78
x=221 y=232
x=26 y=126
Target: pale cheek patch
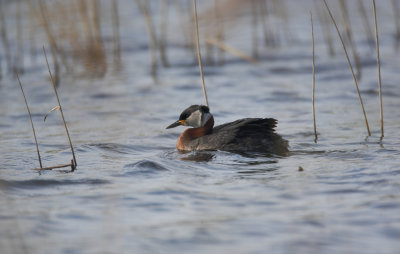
x=194 y=120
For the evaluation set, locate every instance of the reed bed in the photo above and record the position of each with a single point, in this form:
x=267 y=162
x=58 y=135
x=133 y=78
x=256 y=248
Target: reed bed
x=79 y=46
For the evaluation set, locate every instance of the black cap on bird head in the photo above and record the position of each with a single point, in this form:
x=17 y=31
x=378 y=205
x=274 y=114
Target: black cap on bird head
x=187 y=113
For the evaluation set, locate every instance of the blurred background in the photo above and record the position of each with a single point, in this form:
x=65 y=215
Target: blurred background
x=125 y=69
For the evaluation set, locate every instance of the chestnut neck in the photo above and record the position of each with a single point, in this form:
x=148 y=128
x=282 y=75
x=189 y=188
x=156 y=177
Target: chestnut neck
x=188 y=135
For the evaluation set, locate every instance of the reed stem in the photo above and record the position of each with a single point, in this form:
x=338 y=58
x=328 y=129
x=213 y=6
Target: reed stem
x=378 y=61
x=326 y=31
x=4 y=37
x=144 y=7
x=30 y=118
x=396 y=16
x=225 y=47
x=19 y=56
x=349 y=35
x=203 y=85
x=367 y=27
x=116 y=36
x=351 y=68
x=162 y=45
x=313 y=78
x=254 y=26
x=61 y=111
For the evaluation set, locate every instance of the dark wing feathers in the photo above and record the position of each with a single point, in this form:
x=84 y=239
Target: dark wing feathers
x=248 y=126
x=248 y=134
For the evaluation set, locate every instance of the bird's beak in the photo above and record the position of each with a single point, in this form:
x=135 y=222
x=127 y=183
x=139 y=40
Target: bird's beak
x=175 y=124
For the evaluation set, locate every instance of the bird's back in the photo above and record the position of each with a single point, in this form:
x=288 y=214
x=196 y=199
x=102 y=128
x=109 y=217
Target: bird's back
x=244 y=135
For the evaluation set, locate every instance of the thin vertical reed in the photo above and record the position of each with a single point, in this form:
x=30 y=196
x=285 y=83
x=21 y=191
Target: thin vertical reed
x=19 y=55
x=326 y=31
x=254 y=28
x=203 y=85
x=116 y=36
x=50 y=35
x=313 y=78
x=370 y=37
x=192 y=37
x=396 y=16
x=32 y=36
x=85 y=22
x=268 y=36
x=144 y=8
x=378 y=61
x=349 y=35
x=4 y=36
x=219 y=31
x=73 y=166
x=162 y=45
x=30 y=118
x=351 y=68
x=98 y=54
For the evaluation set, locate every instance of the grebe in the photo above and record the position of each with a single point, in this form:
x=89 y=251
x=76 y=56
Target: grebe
x=243 y=135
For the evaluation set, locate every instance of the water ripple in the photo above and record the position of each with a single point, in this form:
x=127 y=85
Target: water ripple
x=40 y=183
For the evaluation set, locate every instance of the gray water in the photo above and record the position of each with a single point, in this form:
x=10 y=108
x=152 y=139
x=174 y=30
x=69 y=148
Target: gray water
x=133 y=192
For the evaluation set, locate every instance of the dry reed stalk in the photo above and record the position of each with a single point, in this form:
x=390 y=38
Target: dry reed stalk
x=203 y=85
x=313 y=78
x=219 y=31
x=396 y=16
x=43 y=20
x=19 y=55
x=98 y=57
x=277 y=30
x=32 y=36
x=144 y=8
x=73 y=162
x=378 y=61
x=268 y=36
x=186 y=22
x=254 y=27
x=349 y=36
x=225 y=47
x=367 y=27
x=58 y=166
x=95 y=7
x=85 y=21
x=189 y=30
x=286 y=20
x=350 y=66
x=326 y=31
x=209 y=54
x=30 y=118
x=4 y=37
x=93 y=53
x=116 y=36
x=162 y=45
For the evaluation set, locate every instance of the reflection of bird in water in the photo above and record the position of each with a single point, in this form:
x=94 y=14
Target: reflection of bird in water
x=243 y=135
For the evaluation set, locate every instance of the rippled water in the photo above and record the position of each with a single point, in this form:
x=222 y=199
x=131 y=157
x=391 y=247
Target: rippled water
x=133 y=193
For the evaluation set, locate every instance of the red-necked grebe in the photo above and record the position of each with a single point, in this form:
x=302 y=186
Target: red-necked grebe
x=243 y=135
